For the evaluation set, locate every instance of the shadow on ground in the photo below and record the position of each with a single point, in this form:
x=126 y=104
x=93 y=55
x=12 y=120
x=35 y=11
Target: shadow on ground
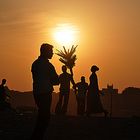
x=20 y=126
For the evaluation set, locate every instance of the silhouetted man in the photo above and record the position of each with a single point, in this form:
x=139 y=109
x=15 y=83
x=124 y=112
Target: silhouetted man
x=44 y=77
x=64 y=79
x=2 y=91
x=3 y=95
x=81 y=96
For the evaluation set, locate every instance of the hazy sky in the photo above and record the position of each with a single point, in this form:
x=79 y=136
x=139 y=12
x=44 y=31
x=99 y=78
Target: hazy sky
x=107 y=34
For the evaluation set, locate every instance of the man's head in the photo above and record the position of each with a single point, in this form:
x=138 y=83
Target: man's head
x=64 y=68
x=3 y=81
x=46 y=50
x=82 y=79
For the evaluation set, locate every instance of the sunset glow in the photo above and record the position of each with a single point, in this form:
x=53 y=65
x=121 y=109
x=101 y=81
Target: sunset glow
x=65 y=34
x=107 y=34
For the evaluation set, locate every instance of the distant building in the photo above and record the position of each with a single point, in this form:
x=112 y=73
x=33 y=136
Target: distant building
x=109 y=89
x=131 y=90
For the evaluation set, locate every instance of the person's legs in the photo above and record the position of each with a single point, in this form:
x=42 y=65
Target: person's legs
x=88 y=104
x=105 y=113
x=82 y=105
x=44 y=103
x=65 y=104
x=58 y=108
x=60 y=98
x=78 y=105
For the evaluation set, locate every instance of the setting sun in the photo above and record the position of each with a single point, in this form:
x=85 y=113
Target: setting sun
x=65 y=34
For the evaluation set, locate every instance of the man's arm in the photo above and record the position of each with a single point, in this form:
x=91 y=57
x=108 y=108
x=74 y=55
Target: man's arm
x=54 y=77
x=73 y=83
x=71 y=72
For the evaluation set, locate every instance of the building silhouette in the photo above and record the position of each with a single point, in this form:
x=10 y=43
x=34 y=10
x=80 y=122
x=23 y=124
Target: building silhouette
x=131 y=90
x=109 y=90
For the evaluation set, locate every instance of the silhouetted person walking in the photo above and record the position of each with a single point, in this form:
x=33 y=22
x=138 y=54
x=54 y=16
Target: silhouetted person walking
x=81 y=96
x=2 y=91
x=44 y=77
x=3 y=96
x=94 y=104
x=64 y=79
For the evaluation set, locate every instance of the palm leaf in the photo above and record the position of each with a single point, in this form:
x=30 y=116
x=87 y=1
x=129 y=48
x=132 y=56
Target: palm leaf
x=61 y=54
x=67 y=56
x=65 y=50
x=63 y=61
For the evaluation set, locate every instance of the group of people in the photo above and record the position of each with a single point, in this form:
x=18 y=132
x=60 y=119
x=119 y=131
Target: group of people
x=80 y=89
x=84 y=94
x=45 y=77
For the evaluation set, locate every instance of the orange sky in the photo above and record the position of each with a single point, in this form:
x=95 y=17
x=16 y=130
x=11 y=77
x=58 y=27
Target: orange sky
x=108 y=36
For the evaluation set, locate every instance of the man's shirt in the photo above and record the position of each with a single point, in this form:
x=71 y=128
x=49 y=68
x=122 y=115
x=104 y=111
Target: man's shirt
x=65 y=79
x=82 y=88
x=44 y=75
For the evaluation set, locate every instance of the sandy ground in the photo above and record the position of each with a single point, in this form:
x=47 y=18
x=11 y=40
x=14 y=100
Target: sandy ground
x=20 y=126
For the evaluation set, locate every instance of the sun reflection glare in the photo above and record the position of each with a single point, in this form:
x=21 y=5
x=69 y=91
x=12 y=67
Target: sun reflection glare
x=65 y=34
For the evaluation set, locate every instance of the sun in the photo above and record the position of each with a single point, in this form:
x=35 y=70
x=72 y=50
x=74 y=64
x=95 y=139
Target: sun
x=65 y=34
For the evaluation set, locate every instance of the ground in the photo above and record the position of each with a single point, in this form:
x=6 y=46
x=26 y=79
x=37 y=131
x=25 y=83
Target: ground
x=20 y=125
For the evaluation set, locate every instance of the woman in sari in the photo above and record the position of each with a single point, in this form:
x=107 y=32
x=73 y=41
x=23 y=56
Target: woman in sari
x=94 y=104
